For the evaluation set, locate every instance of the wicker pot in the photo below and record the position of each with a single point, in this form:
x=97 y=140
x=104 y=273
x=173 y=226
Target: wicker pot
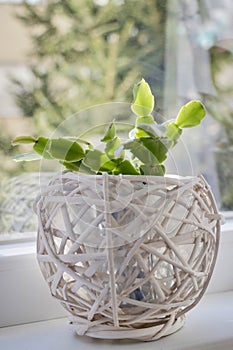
x=127 y=256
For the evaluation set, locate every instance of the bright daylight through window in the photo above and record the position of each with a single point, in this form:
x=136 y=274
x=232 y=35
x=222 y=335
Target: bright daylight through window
x=91 y=91
x=59 y=59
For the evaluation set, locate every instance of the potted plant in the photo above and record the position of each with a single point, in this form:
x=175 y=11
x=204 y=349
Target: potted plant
x=126 y=249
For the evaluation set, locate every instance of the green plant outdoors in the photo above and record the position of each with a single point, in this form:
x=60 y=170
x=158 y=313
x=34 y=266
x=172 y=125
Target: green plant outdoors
x=143 y=153
x=81 y=55
x=220 y=105
x=220 y=108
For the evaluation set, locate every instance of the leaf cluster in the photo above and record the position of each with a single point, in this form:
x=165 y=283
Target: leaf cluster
x=143 y=153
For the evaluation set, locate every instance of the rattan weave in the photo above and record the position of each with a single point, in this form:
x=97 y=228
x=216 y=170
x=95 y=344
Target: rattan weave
x=127 y=256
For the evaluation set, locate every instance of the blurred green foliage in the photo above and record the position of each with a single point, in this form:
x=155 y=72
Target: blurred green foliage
x=85 y=53
x=220 y=106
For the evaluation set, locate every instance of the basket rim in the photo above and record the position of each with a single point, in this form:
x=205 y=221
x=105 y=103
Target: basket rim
x=128 y=177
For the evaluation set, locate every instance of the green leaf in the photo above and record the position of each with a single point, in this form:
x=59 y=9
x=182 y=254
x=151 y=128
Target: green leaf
x=159 y=147
x=78 y=167
x=126 y=167
x=108 y=166
x=29 y=156
x=67 y=150
x=143 y=103
x=112 y=146
x=110 y=133
x=41 y=147
x=141 y=152
x=136 y=132
x=72 y=138
x=154 y=130
x=173 y=131
x=95 y=160
x=157 y=170
x=190 y=115
x=73 y=166
x=145 y=120
x=23 y=140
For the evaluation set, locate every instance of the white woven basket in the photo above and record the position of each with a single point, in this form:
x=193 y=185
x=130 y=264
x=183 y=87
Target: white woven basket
x=127 y=256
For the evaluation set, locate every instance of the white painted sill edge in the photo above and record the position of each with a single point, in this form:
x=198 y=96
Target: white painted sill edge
x=25 y=296
x=209 y=326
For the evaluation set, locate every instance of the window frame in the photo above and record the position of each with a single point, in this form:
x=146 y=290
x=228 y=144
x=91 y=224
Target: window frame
x=24 y=294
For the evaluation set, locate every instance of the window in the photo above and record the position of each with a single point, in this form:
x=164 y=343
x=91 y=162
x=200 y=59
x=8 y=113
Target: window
x=19 y=1
x=184 y=50
x=61 y=59
x=199 y=37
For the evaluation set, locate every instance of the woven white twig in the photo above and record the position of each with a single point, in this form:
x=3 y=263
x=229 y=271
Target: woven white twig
x=127 y=256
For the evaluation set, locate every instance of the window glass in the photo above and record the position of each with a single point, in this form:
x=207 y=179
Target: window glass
x=60 y=58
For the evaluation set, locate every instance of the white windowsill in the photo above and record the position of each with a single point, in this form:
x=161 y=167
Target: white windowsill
x=209 y=326
x=25 y=299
